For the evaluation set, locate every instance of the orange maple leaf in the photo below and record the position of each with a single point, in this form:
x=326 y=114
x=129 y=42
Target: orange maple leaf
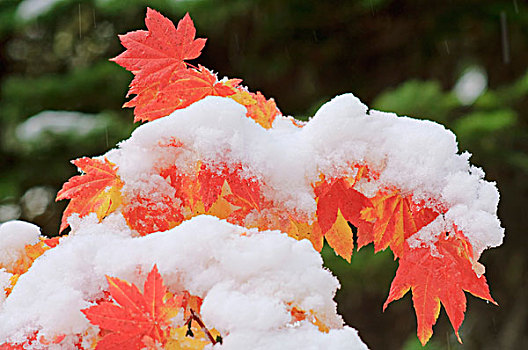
x=155 y=57
x=30 y=254
x=137 y=317
x=395 y=218
x=258 y=108
x=24 y=262
x=299 y=315
x=438 y=278
x=337 y=203
x=98 y=190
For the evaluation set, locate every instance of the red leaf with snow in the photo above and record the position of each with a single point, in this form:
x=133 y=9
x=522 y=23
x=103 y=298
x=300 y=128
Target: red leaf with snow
x=245 y=194
x=147 y=215
x=395 y=218
x=211 y=182
x=258 y=108
x=98 y=190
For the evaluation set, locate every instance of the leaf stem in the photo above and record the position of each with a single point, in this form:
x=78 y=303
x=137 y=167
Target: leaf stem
x=198 y=320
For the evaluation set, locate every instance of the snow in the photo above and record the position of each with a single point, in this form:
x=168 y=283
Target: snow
x=4 y=283
x=288 y=339
x=58 y=123
x=246 y=277
x=30 y=9
x=418 y=157
x=14 y=236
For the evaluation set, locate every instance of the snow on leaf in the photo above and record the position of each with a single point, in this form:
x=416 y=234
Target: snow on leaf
x=32 y=342
x=258 y=108
x=439 y=278
x=55 y=340
x=211 y=183
x=299 y=315
x=134 y=316
x=245 y=194
x=30 y=254
x=186 y=87
x=22 y=264
x=146 y=215
x=395 y=218
x=98 y=190
x=163 y=82
x=229 y=191
x=185 y=186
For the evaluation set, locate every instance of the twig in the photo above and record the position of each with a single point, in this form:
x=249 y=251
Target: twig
x=198 y=320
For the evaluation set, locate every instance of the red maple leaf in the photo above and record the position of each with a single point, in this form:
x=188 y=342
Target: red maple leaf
x=156 y=57
x=192 y=85
x=244 y=192
x=211 y=182
x=98 y=190
x=395 y=218
x=185 y=186
x=146 y=215
x=161 y=50
x=163 y=82
x=337 y=203
x=137 y=317
x=437 y=278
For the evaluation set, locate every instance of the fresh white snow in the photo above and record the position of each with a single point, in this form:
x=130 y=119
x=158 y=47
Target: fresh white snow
x=418 y=157
x=246 y=277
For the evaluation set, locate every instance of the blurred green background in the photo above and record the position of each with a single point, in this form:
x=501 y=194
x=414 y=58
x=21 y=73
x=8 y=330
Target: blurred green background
x=461 y=63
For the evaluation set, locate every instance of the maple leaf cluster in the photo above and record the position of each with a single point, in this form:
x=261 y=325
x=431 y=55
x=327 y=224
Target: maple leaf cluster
x=125 y=317
x=386 y=220
x=30 y=253
x=138 y=320
x=163 y=82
